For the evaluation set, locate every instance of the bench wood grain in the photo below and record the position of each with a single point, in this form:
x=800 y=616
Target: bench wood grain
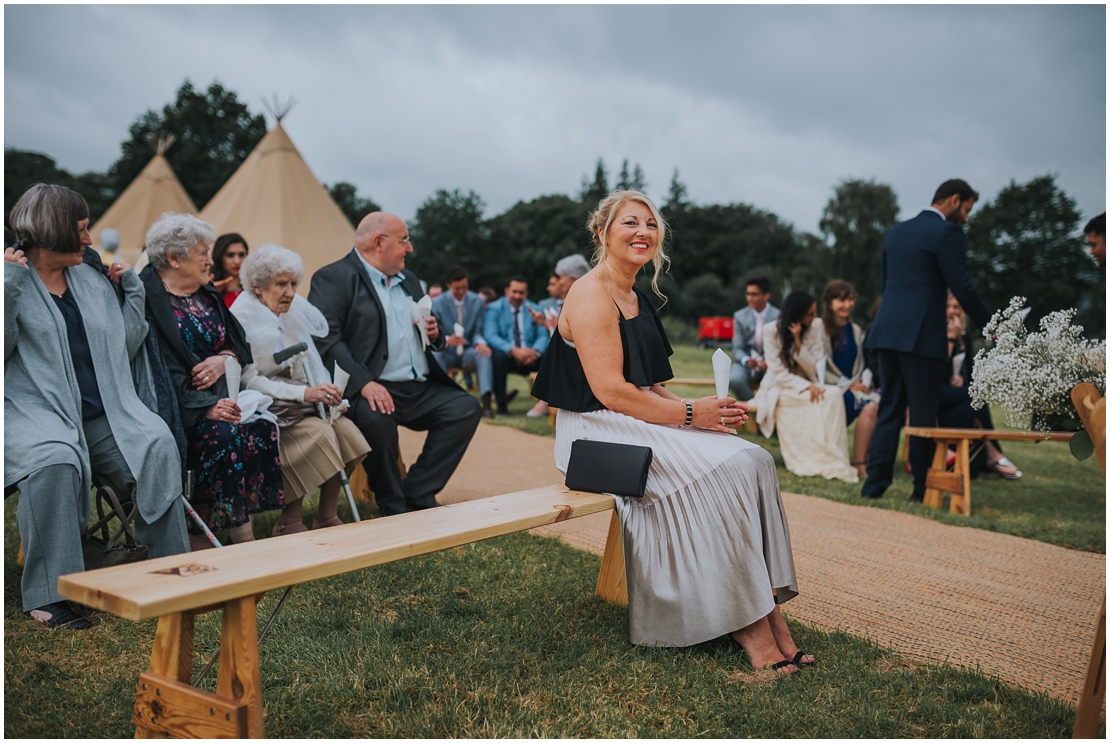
x=175 y=588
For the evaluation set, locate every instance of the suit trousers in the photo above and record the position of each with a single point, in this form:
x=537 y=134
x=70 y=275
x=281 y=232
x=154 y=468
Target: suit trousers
x=503 y=363
x=470 y=361
x=905 y=379
x=447 y=413
x=53 y=511
x=741 y=380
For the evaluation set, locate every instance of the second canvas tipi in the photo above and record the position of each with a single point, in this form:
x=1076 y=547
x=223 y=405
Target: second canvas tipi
x=154 y=191
x=274 y=198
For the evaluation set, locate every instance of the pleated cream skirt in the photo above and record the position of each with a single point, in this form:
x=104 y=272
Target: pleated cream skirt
x=813 y=435
x=313 y=451
x=709 y=540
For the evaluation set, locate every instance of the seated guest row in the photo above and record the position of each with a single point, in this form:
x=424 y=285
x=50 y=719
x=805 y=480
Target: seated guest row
x=137 y=426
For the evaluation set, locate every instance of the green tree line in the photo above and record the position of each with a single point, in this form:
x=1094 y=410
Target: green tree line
x=1025 y=241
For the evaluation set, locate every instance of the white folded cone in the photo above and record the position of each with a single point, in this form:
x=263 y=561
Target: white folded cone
x=722 y=368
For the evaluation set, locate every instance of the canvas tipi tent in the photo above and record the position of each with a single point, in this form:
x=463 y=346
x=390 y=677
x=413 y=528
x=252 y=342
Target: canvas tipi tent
x=154 y=191
x=274 y=198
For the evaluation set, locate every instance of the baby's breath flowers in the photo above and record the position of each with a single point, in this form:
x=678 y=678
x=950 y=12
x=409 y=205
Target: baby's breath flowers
x=1030 y=375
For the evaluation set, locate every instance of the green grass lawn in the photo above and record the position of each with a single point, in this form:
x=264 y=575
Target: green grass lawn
x=1058 y=500
x=503 y=638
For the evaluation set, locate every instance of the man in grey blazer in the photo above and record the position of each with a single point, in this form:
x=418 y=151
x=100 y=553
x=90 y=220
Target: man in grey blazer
x=469 y=351
x=747 y=337
x=366 y=299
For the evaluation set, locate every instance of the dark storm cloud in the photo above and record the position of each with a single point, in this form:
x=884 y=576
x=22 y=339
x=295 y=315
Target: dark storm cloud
x=767 y=105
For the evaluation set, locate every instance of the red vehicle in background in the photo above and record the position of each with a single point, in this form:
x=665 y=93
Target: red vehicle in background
x=714 y=331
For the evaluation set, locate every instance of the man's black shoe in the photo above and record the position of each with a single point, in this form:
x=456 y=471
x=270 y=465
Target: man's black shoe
x=510 y=397
x=58 y=616
x=871 y=496
x=915 y=498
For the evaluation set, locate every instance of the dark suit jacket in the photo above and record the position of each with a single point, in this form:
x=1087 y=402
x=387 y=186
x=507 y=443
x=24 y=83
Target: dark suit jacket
x=356 y=336
x=179 y=359
x=922 y=258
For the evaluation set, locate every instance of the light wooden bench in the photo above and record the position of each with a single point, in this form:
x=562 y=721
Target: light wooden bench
x=939 y=480
x=1091 y=407
x=175 y=589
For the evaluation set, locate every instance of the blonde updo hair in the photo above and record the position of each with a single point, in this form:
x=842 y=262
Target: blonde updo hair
x=602 y=219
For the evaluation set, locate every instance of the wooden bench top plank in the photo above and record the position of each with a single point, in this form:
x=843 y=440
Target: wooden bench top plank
x=691 y=382
x=188 y=581
x=980 y=433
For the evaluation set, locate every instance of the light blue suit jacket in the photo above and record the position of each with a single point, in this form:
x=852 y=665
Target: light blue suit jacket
x=474 y=308
x=743 y=330
x=498 y=327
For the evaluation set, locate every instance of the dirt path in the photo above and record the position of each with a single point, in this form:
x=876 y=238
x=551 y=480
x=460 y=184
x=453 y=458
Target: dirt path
x=1020 y=609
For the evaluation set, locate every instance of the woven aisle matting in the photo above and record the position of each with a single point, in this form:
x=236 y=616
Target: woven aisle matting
x=1019 y=609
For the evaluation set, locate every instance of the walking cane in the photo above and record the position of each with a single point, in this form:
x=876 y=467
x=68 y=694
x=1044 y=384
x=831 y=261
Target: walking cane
x=299 y=352
x=193 y=514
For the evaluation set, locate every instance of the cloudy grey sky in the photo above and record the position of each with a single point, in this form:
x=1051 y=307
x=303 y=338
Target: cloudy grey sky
x=771 y=106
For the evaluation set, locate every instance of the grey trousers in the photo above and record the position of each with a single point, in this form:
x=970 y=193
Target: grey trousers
x=740 y=380
x=53 y=511
x=470 y=361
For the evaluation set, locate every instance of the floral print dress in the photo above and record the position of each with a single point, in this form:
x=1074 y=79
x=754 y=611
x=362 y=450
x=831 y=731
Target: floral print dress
x=236 y=466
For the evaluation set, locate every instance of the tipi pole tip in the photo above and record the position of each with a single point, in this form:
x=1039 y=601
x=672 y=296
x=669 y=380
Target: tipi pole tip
x=277 y=109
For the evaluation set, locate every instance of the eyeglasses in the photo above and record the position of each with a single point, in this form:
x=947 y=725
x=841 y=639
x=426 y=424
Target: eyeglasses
x=403 y=240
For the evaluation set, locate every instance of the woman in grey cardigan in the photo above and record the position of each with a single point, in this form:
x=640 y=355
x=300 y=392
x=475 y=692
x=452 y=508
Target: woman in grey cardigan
x=70 y=401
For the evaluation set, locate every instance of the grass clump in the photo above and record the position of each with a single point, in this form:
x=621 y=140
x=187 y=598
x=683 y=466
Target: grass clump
x=503 y=638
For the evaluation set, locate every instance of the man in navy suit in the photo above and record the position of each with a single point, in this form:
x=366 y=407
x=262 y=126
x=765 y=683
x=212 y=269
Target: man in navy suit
x=469 y=351
x=518 y=341
x=922 y=259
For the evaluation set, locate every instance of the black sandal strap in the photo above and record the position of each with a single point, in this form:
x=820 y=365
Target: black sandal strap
x=781 y=664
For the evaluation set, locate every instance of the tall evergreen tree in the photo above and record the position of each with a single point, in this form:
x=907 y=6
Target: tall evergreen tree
x=592 y=193
x=624 y=182
x=638 y=183
x=677 y=198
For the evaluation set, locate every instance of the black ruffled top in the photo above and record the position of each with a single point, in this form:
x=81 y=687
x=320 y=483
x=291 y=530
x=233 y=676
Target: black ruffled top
x=561 y=381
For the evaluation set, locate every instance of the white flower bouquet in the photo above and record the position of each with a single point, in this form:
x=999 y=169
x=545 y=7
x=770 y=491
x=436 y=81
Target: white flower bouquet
x=1030 y=375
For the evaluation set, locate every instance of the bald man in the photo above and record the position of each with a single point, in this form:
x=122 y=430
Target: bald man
x=394 y=382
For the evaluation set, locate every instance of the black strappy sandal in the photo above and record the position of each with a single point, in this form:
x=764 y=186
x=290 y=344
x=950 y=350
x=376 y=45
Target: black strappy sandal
x=797 y=659
x=774 y=666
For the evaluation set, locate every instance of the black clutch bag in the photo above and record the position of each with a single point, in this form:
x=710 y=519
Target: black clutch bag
x=604 y=467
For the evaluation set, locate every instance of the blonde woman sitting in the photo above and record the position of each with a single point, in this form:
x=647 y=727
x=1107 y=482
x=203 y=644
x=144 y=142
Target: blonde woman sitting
x=313 y=450
x=707 y=548
x=808 y=414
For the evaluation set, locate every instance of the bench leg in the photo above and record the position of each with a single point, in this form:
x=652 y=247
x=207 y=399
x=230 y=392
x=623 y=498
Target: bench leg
x=1094 y=686
x=171 y=657
x=934 y=498
x=961 y=502
x=611 y=585
x=239 y=677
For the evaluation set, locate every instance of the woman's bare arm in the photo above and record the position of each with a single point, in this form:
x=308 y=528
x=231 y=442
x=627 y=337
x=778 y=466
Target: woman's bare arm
x=590 y=320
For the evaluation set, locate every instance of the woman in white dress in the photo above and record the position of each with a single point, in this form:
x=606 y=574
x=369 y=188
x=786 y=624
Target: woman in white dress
x=808 y=414
x=707 y=548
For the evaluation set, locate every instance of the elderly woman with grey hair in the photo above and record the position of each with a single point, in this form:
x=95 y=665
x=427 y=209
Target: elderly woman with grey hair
x=70 y=402
x=235 y=460
x=313 y=449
